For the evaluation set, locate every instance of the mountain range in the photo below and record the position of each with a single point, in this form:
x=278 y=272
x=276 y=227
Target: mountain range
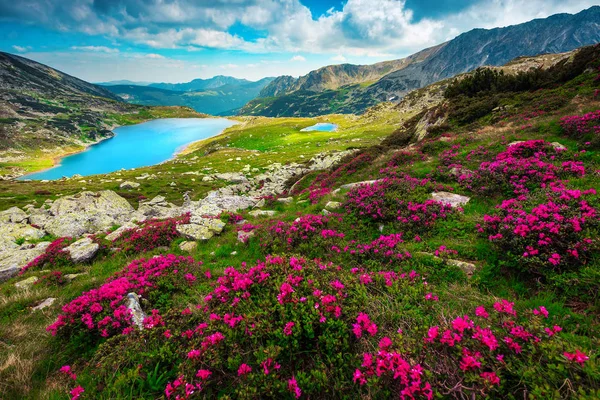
x=350 y=88
x=220 y=95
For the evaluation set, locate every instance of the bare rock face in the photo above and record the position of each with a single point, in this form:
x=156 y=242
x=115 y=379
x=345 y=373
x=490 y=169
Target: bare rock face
x=83 y=250
x=455 y=200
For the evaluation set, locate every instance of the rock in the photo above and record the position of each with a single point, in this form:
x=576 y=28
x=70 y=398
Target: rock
x=232 y=177
x=262 y=213
x=355 y=184
x=325 y=212
x=228 y=202
x=234 y=253
x=188 y=246
x=138 y=315
x=44 y=304
x=119 y=231
x=466 y=267
x=260 y=204
x=70 y=277
x=172 y=184
x=87 y=212
x=333 y=205
x=83 y=250
x=159 y=208
x=208 y=179
x=14 y=215
x=201 y=228
x=243 y=237
x=455 y=200
x=558 y=147
x=27 y=283
x=286 y=200
x=129 y=185
x=11 y=262
x=12 y=232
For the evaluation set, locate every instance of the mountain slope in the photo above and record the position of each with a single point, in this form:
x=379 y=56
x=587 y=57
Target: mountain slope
x=45 y=113
x=223 y=100
x=558 y=33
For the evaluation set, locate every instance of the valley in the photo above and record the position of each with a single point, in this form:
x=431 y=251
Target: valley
x=420 y=228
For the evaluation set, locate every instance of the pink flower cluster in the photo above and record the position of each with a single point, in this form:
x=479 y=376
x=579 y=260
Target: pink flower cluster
x=578 y=126
x=103 y=312
x=152 y=234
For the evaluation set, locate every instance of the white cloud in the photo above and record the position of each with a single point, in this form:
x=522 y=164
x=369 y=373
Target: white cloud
x=99 y=49
x=153 y=55
x=339 y=58
x=21 y=49
x=361 y=28
x=298 y=58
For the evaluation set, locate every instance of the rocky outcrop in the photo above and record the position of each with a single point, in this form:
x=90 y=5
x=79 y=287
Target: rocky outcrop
x=201 y=228
x=12 y=261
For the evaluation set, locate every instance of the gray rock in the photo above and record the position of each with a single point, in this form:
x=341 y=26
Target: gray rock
x=455 y=200
x=11 y=262
x=26 y=284
x=138 y=315
x=70 y=277
x=466 y=267
x=12 y=232
x=188 y=246
x=119 y=231
x=82 y=250
x=262 y=213
x=201 y=228
x=286 y=200
x=356 y=184
x=14 y=215
x=558 y=147
x=243 y=237
x=232 y=177
x=129 y=185
x=44 y=304
x=333 y=205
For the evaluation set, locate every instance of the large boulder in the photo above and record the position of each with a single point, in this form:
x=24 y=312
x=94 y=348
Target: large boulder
x=119 y=231
x=88 y=212
x=228 y=202
x=159 y=208
x=14 y=215
x=12 y=261
x=13 y=232
x=83 y=250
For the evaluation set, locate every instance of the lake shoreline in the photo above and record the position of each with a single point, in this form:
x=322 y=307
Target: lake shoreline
x=57 y=160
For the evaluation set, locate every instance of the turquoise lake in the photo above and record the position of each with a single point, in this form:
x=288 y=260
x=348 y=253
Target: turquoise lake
x=136 y=146
x=322 y=127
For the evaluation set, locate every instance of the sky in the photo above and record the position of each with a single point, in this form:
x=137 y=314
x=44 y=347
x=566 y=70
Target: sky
x=180 y=40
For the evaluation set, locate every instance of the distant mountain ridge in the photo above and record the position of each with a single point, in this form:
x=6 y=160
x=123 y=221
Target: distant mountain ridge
x=316 y=93
x=202 y=84
x=224 y=99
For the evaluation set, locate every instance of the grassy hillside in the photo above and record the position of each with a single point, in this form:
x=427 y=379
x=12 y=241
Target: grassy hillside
x=372 y=291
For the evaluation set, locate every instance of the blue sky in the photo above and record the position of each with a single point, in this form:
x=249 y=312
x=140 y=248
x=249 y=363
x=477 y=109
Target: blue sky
x=179 y=40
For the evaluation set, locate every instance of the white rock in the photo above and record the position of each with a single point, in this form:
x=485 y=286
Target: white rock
x=129 y=185
x=26 y=283
x=455 y=200
x=44 y=304
x=262 y=213
x=188 y=246
x=138 y=315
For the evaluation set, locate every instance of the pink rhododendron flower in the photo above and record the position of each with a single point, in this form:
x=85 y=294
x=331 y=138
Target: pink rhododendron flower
x=578 y=357
x=76 y=392
x=244 y=369
x=287 y=331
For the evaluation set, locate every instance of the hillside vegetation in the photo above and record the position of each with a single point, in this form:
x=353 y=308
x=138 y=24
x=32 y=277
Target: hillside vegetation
x=448 y=250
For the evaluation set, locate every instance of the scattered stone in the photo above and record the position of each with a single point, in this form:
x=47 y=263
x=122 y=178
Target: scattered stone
x=188 y=246
x=325 y=212
x=333 y=205
x=11 y=261
x=558 y=146
x=234 y=253
x=26 y=284
x=466 y=267
x=356 y=184
x=44 y=304
x=286 y=200
x=243 y=237
x=119 y=231
x=201 y=228
x=260 y=204
x=129 y=185
x=208 y=179
x=138 y=315
x=83 y=250
x=455 y=200
x=172 y=184
x=262 y=213
x=70 y=277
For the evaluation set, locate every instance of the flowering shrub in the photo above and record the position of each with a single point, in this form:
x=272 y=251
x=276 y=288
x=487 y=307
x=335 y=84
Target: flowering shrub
x=54 y=278
x=151 y=234
x=585 y=126
x=519 y=169
x=554 y=235
x=102 y=312
x=379 y=201
x=54 y=256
